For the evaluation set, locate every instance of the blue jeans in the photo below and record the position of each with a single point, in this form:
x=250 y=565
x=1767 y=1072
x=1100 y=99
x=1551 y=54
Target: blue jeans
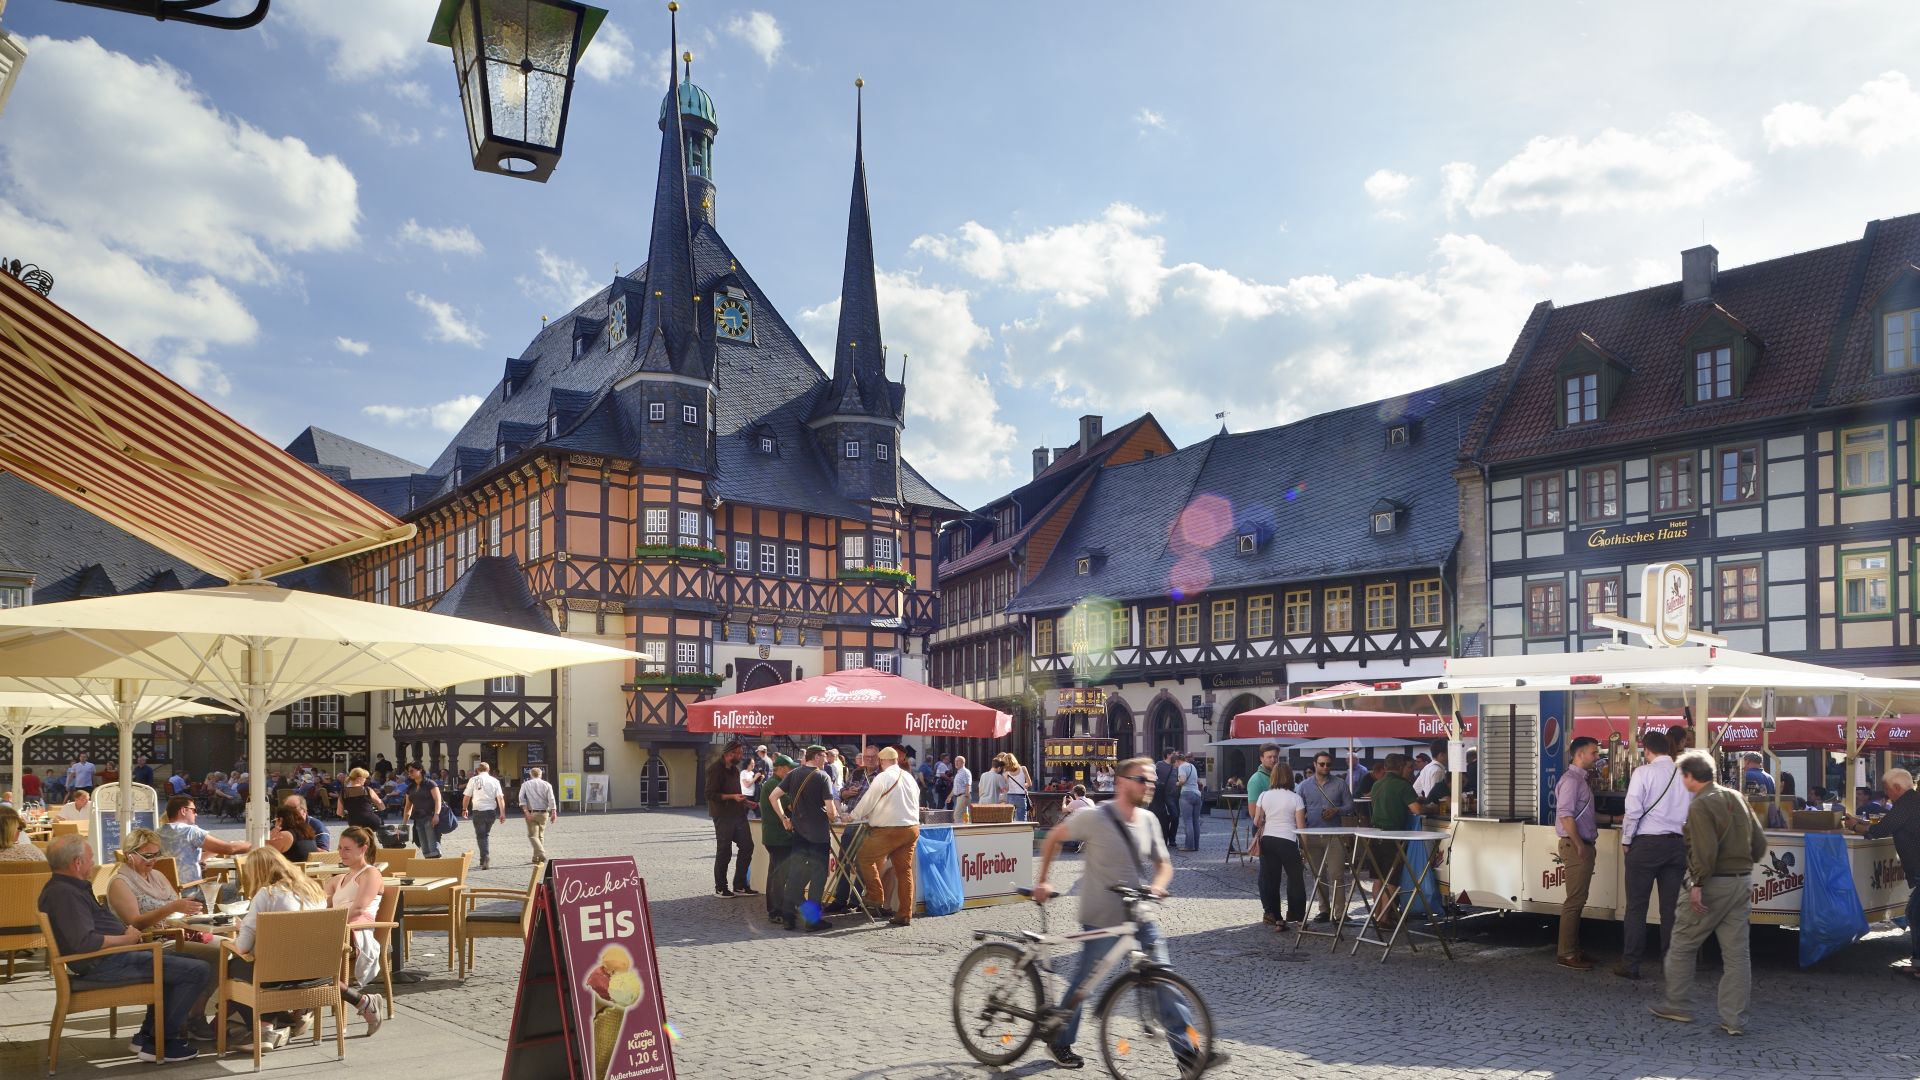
x=1190 y=818
x=1019 y=806
x=1174 y=1014
x=184 y=983
x=425 y=838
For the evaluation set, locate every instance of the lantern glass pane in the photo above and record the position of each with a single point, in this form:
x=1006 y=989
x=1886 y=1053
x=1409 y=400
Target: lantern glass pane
x=546 y=98
x=550 y=37
x=503 y=28
x=463 y=37
x=507 y=97
x=475 y=100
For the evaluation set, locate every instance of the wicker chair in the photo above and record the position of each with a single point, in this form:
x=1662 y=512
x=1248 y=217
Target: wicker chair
x=495 y=913
x=296 y=966
x=69 y=828
x=20 y=910
x=383 y=933
x=102 y=877
x=328 y=858
x=398 y=860
x=437 y=909
x=23 y=866
x=74 y=993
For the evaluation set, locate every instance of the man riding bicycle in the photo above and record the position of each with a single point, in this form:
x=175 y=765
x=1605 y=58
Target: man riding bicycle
x=1122 y=844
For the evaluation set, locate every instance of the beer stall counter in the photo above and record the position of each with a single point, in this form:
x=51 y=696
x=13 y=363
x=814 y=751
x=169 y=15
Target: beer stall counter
x=994 y=861
x=1068 y=762
x=1505 y=858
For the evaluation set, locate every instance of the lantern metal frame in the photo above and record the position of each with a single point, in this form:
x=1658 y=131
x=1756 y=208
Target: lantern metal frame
x=186 y=11
x=494 y=152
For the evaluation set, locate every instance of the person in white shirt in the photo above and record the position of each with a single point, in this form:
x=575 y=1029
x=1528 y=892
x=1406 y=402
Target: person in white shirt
x=1078 y=801
x=541 y=809
x=80 y=775
x=483 y=802
x=993 y=786
x=273 y=885
x=1432 y=772
x=1652 y=846
x=1277 y=820
x=80 y=809
x=962 y=795
x=891 y=809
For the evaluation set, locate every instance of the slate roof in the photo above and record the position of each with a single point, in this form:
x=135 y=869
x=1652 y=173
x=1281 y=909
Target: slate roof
x=327 y=451
x=74 y=555
x=1039 y=498
x=1811 y=311
x=494 y=590
x=1305 y=488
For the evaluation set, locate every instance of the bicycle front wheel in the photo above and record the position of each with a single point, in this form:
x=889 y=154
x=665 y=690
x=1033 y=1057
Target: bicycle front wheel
x=1154 y=1024
x=996 y=1003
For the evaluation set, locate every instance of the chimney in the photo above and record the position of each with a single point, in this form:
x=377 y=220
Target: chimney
x=1698 y=267
x=1089 y=434
x=1039 y=460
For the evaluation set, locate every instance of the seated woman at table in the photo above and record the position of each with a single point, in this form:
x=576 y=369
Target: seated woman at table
x=358 y=889
x=14 y=845
x=140 y=896
x=291 y=836
x=271 y=884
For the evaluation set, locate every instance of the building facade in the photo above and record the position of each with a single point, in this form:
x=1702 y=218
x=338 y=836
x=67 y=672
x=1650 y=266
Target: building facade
x=668 y=470
x=1195 y=585
x=1756 y=425
x=980 y=651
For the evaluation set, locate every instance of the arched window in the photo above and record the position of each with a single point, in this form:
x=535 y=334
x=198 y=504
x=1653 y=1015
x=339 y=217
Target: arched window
x=1169 y=728
x=1120 y=727
x=653 y=782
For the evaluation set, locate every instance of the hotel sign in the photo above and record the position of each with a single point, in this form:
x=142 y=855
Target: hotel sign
x=1612 y=536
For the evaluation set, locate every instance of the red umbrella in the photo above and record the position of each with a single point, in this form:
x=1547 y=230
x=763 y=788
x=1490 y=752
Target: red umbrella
x=1293 y=722
x=859 y=701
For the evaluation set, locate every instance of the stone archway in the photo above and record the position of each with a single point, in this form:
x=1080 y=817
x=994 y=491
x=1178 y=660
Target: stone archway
x=759 y=674
x=1237 y=761
x=1120 y=728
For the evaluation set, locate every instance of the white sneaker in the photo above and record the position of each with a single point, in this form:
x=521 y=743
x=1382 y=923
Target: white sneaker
x=370 y=1005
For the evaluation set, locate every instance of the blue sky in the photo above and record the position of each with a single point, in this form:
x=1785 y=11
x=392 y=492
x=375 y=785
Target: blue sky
x=1265 y=208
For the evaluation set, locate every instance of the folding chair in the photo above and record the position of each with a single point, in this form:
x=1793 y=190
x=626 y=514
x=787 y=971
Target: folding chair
x=846 y=867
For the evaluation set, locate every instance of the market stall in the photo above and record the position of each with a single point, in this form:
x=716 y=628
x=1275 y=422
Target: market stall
x=1066 y=762
x=993 y=861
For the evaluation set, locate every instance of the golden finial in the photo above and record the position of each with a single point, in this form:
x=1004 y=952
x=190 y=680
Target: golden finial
x=687 y=57
x=858 y=82
x=672 y=6
x=543 y=322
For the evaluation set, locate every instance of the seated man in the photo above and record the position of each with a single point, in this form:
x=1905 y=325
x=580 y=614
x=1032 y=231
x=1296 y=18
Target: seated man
x=186 y=841
x=321 y=840
x=80 y=809
x=82 y=925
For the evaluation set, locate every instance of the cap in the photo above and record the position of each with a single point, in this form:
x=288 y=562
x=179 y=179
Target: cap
x=782 y=760
x=760 y=748
x=812 y=749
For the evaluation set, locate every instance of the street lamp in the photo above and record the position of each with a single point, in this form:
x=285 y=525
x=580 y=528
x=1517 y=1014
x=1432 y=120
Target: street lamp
x=515 y=61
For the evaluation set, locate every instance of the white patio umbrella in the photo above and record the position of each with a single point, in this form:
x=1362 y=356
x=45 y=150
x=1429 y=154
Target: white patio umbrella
x=26 y=714
x=257 y=647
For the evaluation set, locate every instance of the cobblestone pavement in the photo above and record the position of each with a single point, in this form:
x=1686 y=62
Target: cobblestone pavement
x=871 y=1002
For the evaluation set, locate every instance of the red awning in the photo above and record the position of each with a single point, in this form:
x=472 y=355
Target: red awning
x=859 y=701
x=1791 y=732
x=1285 y=722
x=89 y=422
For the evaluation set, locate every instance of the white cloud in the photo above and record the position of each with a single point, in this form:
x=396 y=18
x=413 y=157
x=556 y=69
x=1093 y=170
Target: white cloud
x=449 y=416
x=1882 y=114
x=450 y=240
x=1078 y=264
x=954 y=432
x=390 y=132
x=609 y=55
x=1683 y=163
x=348 y=345
x=195 y=372
x=448 y=324
x=1457 y=181
x=1385 y=185
x=1148 y=120
x=560 y=281
x=761 y=33
x=366 y=37
x=413 y=92
x=132 y=153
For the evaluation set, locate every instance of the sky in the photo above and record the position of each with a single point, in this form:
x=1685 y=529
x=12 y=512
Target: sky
x=1264 y=209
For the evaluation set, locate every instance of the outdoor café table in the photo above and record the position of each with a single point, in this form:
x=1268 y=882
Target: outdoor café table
x=1427 y=870
x=1340 y=854
x=1236 y=805
x=404 y=886
x=218 y=866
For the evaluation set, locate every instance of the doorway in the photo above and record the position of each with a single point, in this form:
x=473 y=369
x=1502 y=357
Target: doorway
x=653 y=782
x=1237 y=760
x=205 y=746
x=1169 y=728
x=1120 y=728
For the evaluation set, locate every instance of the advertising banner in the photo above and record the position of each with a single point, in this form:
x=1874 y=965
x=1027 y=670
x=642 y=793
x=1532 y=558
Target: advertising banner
x=612 y=979
x=994 y=862
x=105 y=827
x=1553 y=748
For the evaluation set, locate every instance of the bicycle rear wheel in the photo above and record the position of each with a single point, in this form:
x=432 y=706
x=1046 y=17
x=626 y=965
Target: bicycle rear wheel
x=1154 y=1025
x=996 y=1003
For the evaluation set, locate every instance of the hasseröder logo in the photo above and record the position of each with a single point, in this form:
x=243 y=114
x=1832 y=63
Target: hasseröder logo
x=927 y=721
x=741 y=719
x=979 y=867
x=1283 y=727
x=833 y=695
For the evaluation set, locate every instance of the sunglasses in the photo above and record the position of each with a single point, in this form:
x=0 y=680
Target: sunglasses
x=148 y=856
x=1141 y=779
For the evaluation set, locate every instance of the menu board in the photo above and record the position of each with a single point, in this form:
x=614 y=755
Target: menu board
x=610 y=975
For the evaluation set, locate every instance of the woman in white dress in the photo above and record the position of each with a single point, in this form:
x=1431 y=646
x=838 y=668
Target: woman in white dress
x=358 y=889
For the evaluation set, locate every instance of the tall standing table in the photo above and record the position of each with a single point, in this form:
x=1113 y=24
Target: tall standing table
x=1427 y=870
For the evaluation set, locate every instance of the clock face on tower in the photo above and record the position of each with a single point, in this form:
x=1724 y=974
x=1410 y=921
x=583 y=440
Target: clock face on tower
x=733 y=316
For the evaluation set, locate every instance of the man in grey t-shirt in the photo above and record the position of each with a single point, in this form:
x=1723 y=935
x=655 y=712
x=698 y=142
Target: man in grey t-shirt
x=1123 y=845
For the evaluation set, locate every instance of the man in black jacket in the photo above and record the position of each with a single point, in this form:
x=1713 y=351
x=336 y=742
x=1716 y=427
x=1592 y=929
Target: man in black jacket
x=727 y=805
x=1903 y=824
x=1166 y=796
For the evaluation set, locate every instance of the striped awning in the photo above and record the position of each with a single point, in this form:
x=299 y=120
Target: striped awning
x=88 y=421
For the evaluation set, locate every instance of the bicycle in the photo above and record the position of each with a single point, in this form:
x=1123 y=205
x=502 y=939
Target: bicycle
x=1015 y=1010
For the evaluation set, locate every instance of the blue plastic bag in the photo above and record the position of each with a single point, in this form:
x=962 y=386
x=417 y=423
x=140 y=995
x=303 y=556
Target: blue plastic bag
x=1429 y=891
x=937 y=871
x=1831 y=917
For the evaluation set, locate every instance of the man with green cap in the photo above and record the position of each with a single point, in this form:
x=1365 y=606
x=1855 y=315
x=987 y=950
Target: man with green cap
x=778 y=840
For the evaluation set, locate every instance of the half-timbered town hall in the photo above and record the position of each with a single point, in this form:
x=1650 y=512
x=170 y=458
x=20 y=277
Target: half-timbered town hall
x=666 y=468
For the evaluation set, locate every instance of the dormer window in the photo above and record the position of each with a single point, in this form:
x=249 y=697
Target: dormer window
x=766 y=444
x=1083 y=566
x=1249 y=543
x=1383 y=521
x=1901 y=343
x=553 y=426
x=1398 y=435
x=1590 y=379
x=1384 y=517
x=1720 y=353
x=616 y=322
x=1581 y=394
x=1713 y=374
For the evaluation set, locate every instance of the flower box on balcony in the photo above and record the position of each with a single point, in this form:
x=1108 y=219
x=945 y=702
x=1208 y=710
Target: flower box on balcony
x=676 y=678
x=679 y=551
x=881 y=574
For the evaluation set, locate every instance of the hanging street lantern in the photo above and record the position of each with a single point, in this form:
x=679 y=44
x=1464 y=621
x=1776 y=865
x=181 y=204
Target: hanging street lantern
x=515 y=61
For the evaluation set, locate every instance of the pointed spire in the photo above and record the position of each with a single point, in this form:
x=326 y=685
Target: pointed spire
x=669 y=330
x=860 y=384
